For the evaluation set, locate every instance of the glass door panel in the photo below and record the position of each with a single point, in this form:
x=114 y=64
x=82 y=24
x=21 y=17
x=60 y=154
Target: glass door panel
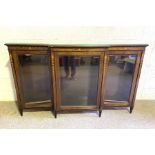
x=120 y=71
x=35 y=77
x=78 y=80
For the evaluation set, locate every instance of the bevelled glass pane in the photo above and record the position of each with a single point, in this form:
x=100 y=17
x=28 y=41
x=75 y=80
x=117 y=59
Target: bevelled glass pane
x=35 y=77
x=78 y=80
x=119 y=76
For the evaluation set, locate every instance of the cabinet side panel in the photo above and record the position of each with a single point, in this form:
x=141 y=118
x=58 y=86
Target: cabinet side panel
x=16 y=81
x=138 y=77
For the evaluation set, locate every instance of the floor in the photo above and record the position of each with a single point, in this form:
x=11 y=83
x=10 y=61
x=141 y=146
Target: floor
x=143 y=116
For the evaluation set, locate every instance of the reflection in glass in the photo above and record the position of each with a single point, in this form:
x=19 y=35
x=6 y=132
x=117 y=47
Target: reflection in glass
x=119 y=77
x=78 y=80
x=35 y=78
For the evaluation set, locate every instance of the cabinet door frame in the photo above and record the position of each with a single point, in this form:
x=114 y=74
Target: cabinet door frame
x=82 y=53
x=116 y=103
x=17 y=78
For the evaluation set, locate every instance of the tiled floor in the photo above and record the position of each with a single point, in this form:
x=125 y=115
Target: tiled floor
x=143 y=116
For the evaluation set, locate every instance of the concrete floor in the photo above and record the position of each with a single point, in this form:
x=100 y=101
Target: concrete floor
x=143 y=116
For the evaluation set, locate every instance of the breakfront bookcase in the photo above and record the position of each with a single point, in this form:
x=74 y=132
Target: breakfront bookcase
x=72 y=78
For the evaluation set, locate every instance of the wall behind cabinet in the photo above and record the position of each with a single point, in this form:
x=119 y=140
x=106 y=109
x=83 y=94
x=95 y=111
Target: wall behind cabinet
x=79 y=35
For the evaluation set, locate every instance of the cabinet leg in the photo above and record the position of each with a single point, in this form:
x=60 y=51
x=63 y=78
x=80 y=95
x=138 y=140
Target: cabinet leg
x=100 y=112
x=131 y=109
x=21 y=112
x=55 y=114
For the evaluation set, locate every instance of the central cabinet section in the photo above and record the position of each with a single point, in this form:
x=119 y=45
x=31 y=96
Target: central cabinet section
x=78 y=77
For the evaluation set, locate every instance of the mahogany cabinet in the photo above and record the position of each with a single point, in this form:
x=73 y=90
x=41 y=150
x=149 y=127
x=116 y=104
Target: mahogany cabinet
x=71 y=78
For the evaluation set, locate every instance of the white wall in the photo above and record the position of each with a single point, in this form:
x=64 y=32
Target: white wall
x=79 y=35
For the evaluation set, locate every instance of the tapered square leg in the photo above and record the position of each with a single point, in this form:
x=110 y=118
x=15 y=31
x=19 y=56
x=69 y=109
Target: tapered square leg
x=131 y=109
x=55 y=114
x=21 y=112
x=100 y=113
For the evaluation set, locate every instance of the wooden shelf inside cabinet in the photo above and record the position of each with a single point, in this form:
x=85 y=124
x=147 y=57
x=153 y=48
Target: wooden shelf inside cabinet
x=67 y=78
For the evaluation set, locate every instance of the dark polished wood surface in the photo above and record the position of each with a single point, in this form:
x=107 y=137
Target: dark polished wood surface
x=76 y=45
x=107 y=76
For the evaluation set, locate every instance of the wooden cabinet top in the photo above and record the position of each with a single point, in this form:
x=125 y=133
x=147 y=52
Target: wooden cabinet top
x=25 y=46
x=77 y=45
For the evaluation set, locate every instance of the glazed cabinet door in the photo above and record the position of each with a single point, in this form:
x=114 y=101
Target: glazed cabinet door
x=120 y=77
x=34 y=79
x=78 y=79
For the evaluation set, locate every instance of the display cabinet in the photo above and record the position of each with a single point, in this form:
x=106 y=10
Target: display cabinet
x=72 y=78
